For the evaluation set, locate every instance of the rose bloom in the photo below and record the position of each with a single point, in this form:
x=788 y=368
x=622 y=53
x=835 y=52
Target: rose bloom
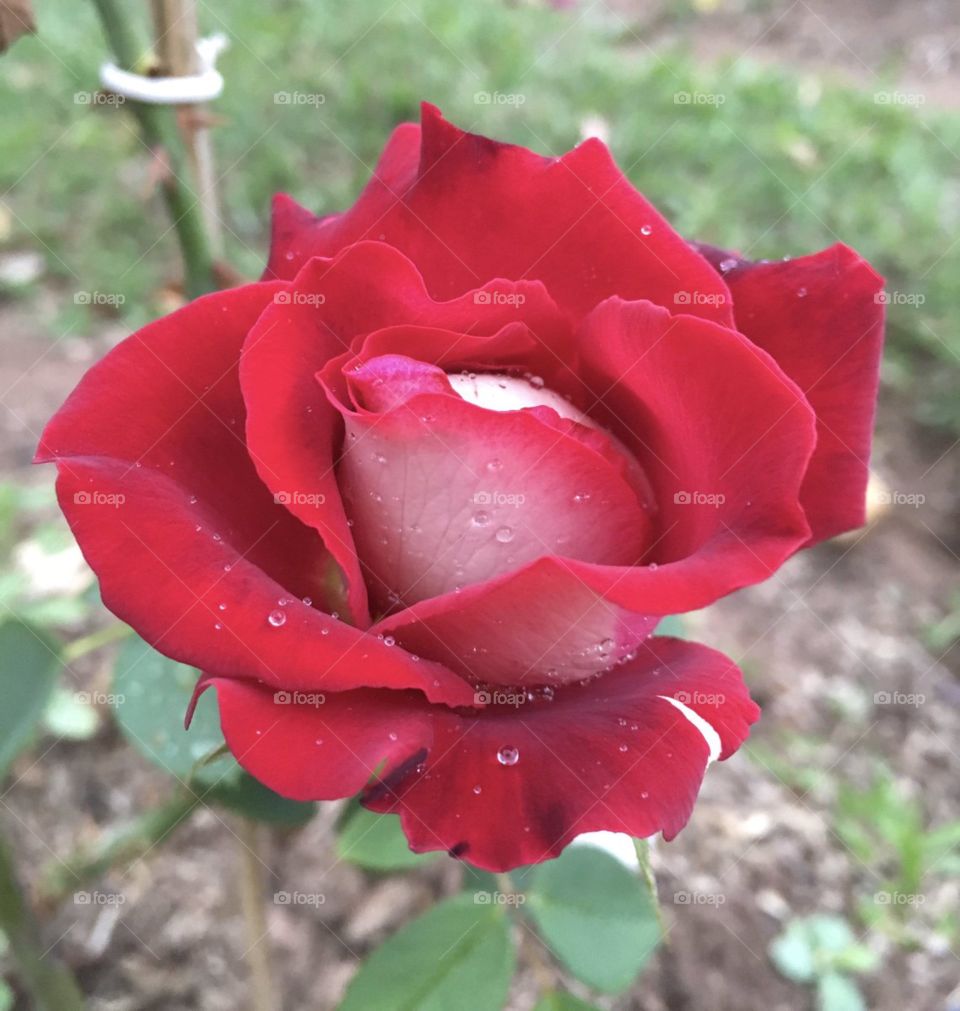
x=415 y=502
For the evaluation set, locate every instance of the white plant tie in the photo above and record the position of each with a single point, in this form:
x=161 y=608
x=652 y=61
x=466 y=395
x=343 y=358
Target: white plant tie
x=194 y=89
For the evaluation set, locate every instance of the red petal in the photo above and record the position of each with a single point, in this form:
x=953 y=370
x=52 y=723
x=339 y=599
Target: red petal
x=465 y=208
x=321 y=747
x=161 y=495
x=725 y=438
x=822 y=320
x=293 y=432
x=612 y=754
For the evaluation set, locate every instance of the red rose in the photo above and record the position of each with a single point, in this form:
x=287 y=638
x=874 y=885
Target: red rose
x=449 y=463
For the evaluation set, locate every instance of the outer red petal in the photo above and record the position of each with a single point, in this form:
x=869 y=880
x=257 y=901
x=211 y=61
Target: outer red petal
x=821 y=317
x=725 y=438
x=293 y=432
x=612 y=754
x=465 y=208
x=159 y=490
x=322 y=747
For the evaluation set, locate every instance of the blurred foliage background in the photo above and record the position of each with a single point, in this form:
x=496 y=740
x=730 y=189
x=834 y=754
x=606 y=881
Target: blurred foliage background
x=735 y=123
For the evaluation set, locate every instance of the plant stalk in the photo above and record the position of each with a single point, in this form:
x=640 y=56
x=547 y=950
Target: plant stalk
x=157 y=133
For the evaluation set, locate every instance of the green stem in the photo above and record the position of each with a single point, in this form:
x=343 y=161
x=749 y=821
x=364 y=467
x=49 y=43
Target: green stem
x=64 y=877
x=155 y=125
x=253 y=901
x=642 y=846
x=88 y=643
x=50 y=984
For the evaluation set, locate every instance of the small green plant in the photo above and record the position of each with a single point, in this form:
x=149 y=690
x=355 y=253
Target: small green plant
x=888 y=832
x=822 y=951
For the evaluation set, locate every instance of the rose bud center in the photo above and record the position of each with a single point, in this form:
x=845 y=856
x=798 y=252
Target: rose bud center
x=467 y=477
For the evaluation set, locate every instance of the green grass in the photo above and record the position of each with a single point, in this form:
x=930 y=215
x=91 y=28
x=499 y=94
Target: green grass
x=785 y=165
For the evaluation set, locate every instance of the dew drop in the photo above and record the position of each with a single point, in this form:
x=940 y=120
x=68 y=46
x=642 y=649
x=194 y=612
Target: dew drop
x=221 y=606
x=478 y=789
x=581 y=497
x=318 y=741
x=494 y=465
x=623 y=747
x=392 y=736
x=504 y=535
x=508 y=755
x=644 y=795
x=727 y=265
x=276 y=618
x=801 y=292
x=481 y=519
x=646 y=230
x=217 y=537
x=193 y=500
x=217 y=627
x=308 y=601
x=653 y=566
x=388 y=640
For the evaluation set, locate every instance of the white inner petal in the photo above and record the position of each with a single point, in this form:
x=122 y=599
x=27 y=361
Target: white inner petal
x=709 y=734
x=512 y=393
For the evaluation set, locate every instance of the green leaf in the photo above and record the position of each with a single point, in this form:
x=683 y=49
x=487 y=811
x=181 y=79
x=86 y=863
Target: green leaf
x=29 y=668
x=564 y=1002
x=247 y=796
x=597 y=917
x=152 y=694
x=793 y=955
x=377 y=842
x=460 y=951
x=838 y=993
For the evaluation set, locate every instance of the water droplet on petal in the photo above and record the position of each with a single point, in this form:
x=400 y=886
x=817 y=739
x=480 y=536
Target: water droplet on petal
x=646 y=230
x=801 y=292
x=504 y=534
x=392 y=736
x=508 y=755
x=481 y=519
x=728 y=264
x=494 y=465
x=478 y=789
x=388 y=640
x=277 y=618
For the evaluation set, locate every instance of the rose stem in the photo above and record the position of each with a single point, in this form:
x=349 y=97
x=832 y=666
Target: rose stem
x=183 y=207
x=50 y=984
